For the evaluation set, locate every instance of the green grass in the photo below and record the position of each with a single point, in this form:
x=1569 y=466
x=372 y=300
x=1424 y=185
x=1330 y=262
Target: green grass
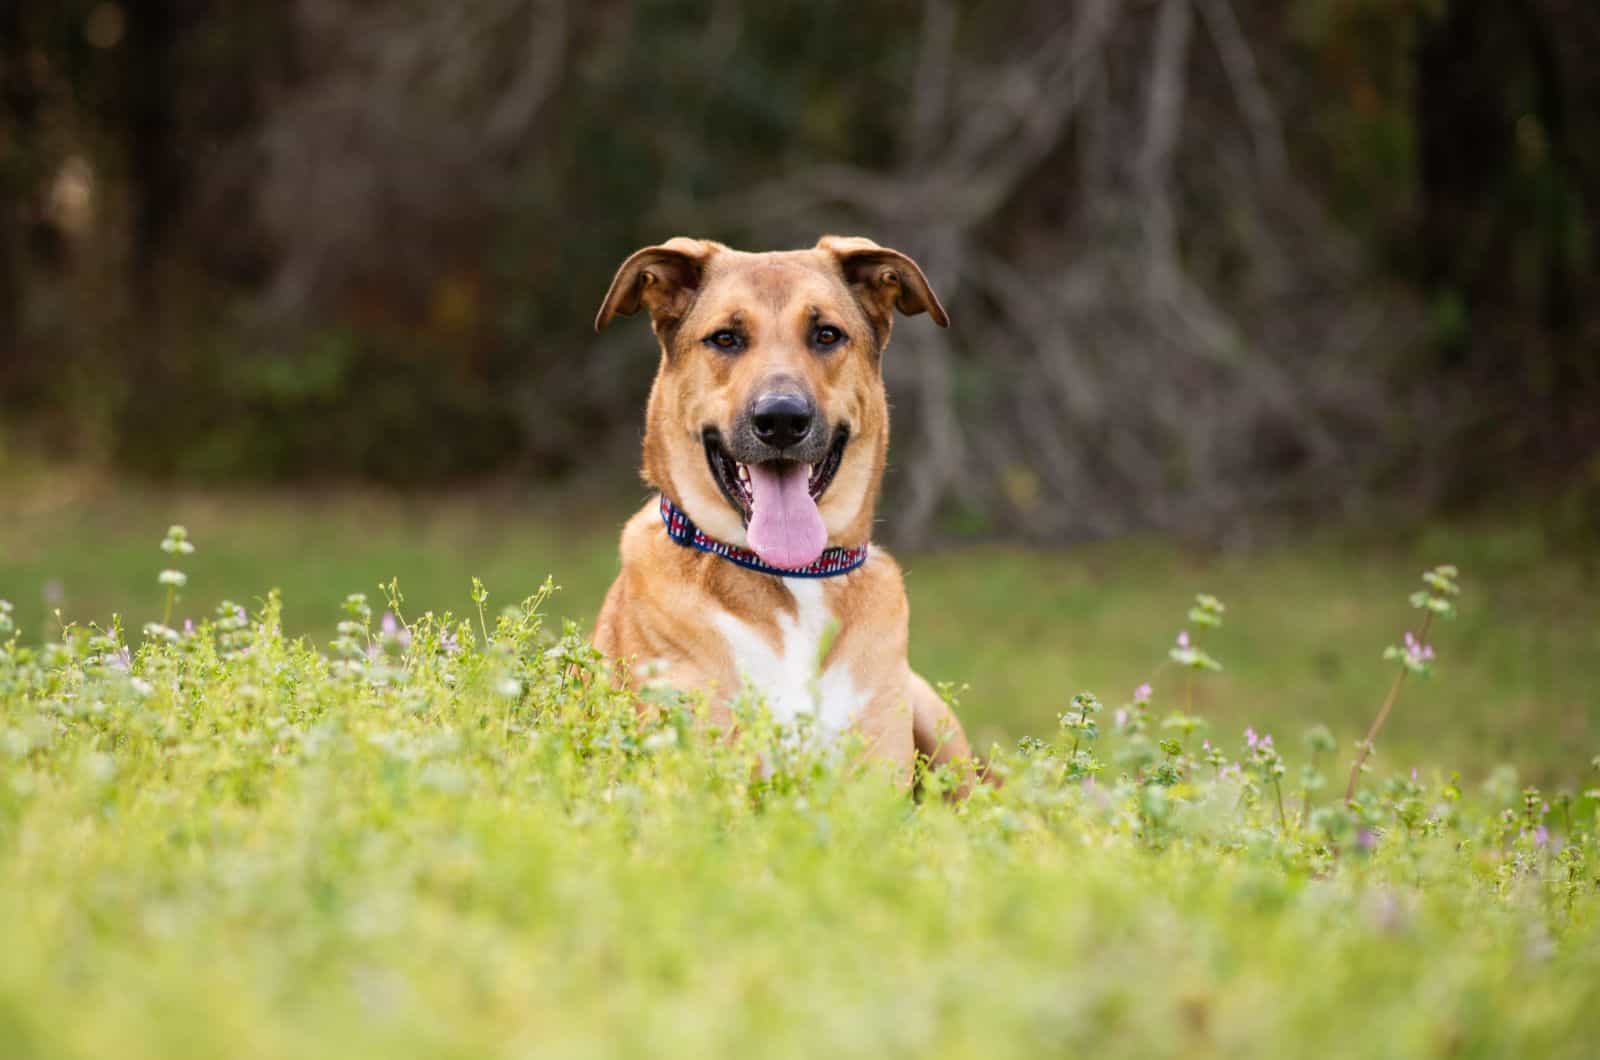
x=234 y=848
x=1519 y=677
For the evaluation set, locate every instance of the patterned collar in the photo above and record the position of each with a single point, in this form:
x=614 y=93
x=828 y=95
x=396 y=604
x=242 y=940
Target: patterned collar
x=832 y=561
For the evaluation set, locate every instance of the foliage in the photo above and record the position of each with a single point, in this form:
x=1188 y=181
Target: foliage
x=454 y=836
x=1018 y=625
x=1205 y=258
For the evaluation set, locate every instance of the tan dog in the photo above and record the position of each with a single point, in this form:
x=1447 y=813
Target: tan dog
x=766 y=436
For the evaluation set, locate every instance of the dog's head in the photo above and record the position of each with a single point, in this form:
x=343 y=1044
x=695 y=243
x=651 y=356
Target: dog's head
x=767 y=421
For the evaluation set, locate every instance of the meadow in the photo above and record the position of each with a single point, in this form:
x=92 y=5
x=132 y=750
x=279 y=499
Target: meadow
x=1309 y=615
x=417 y=834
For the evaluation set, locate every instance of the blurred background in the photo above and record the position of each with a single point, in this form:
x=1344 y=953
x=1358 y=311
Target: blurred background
x=1306 y=287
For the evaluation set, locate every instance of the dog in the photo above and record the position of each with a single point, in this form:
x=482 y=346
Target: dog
x=766 y=435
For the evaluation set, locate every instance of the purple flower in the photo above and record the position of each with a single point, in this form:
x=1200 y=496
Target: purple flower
x=393 y=630
x=188 y=627
x=1366 y=839
x=1183 y=639
x=1416 y=651
x=448 y=643
x=1413 y=774
x=1541 y=836
x=1142 y=693
x=1250 y=737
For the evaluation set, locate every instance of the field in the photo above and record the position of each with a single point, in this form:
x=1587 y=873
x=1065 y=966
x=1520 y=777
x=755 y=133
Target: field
x=1307 y=620
x=420 y=838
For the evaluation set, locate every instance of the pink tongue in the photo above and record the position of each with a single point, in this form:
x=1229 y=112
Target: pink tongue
x=785 y=527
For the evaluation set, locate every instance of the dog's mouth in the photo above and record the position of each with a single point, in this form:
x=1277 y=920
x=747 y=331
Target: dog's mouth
x=777 y=499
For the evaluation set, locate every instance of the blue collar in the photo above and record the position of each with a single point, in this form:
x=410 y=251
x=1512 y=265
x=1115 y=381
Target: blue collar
x=833 y=561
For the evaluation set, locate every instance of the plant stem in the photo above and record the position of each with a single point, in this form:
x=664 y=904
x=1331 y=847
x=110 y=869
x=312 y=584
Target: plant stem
x=1383 y=715
x=1305 y=809
x=1283 y=818
x=1083 y=720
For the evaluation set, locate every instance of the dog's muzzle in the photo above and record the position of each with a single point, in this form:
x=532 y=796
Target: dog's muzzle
x=780 y=424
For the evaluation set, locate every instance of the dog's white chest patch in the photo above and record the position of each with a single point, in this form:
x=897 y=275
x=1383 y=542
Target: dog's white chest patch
x=790 y=678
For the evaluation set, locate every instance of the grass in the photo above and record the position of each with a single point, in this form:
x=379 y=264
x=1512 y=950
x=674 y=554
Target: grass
x=442 y=843
x=1519 y=678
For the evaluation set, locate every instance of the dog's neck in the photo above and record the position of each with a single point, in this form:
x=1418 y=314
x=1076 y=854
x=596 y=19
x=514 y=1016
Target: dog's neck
x=833 y=562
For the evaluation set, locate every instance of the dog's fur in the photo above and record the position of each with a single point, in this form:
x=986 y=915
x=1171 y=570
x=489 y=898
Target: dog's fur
x=702 y=623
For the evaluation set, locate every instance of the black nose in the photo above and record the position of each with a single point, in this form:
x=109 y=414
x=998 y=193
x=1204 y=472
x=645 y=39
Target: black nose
x=783 y=419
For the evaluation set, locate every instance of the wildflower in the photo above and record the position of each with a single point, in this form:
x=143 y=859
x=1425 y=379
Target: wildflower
x=1250 y=738
x=177 y=541
x=1142 y=693
x=174 y=579
x=1413 y=654
x=1417 y=652
x=1187 y=655
x=1029 y=745
x=1541 y=836
x=1367 y=839
x=394 y=631
x=1120 y=718
x=1207 y=611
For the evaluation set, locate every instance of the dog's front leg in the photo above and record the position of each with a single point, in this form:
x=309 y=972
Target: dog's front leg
x=885 y=728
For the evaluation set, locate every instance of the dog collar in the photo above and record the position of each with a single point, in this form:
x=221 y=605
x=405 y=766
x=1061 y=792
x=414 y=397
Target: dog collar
x=833 y=561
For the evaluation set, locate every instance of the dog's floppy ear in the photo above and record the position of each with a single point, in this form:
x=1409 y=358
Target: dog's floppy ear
x=662 y=278
x=884 y=280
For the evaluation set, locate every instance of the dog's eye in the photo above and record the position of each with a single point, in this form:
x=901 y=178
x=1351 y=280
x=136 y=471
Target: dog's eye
x=827 y=337
x=725 y=339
